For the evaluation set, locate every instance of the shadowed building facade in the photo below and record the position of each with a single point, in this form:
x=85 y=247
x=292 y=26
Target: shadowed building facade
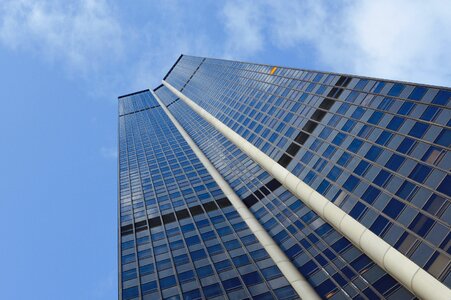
x=248 y=181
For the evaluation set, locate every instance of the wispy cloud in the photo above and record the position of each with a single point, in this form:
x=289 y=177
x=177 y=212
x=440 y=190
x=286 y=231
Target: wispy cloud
x=398 y=39
x=244 y=24
x=79 y=35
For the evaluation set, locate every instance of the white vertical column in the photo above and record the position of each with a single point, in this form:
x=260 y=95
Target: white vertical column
x=291 y=273
x=409 y=274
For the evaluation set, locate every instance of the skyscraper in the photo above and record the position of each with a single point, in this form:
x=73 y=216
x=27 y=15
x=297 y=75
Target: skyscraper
x=249 y=181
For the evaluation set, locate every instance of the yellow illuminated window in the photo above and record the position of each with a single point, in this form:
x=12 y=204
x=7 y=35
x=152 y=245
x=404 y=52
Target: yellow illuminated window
x=273 y=70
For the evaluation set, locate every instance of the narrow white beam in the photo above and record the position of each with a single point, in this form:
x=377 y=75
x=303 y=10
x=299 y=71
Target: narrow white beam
x=409 y=274
x=291 y=273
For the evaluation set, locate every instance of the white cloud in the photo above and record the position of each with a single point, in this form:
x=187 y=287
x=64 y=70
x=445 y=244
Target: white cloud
x=397 y=39
x=243 y=26
x=80 y=36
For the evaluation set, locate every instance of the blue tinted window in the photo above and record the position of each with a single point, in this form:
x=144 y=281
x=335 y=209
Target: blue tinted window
x=146 y=269
x=167 y=282
x=444 y=138
x=204 y=271
x=370 y=194
x=394 y=208
x=418 y=93
x=395 y=162
x=233 y=244
x=223 y=265
x=127 y=275
x=164 y=264
x=445 y=186
x=249 y=239
x=373 y=153
x=161 y=249
x=293 y=251
x=382 y=178
x=128 y=245
x=384 y=138
x=231 y=284
x=405 y=190
x=208 y=235
x=149 y=287
x=271 y=272
x=420 y=173
x=361 y=167
x=405 y=108
x=379 y=87
x=405 y=145
x=421 y=224
x=128 y=258
x=215 y=249
x=379 y=225
x=252 y=278
x=259 y=254
x=193 y=240
x=396 y=89
x=212 y=290
x=191 y=295
x=241 y=260
x=181 y=259
x=130 y=293
x=418 y=130
x=355 y=145
x=375 y=117
x=186 y=276
x=285 y=293
x=199 y=254
x=442 y=97
x=395 y=123
x=429 y=113
x=308 y=268
x=385 y=104
x=351 y=183
x=361 y=84
x=326 y=287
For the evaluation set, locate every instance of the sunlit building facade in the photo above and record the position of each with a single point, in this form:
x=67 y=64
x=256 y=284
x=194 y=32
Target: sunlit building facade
x=248 y=181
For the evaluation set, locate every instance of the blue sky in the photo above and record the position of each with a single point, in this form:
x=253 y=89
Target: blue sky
x=63 y=64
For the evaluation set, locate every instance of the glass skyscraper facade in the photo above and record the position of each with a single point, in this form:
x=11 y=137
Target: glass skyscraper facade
x=377 y=150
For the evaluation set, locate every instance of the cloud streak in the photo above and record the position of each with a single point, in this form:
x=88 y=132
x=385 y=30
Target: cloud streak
x=81 y=36
x=399 y=39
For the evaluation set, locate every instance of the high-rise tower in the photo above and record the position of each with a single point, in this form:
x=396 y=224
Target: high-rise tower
x=248 y=181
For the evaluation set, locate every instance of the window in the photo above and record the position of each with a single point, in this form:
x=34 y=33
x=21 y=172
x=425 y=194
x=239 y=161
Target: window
x=396 y=90
x=212 y=290
x=442 y=97
x=232 y=244
x=149 y=287
x=259 y=254
x=223 y=265
x=231 y=284
x=199 y=254
x=420 y=173
x=241 y=260
x=205 y=271
x=251 y=278
x=130 y=274
x=271 y=272
x=418 y=130
x=417 y=93
x=130 y=293
x=167 y=282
